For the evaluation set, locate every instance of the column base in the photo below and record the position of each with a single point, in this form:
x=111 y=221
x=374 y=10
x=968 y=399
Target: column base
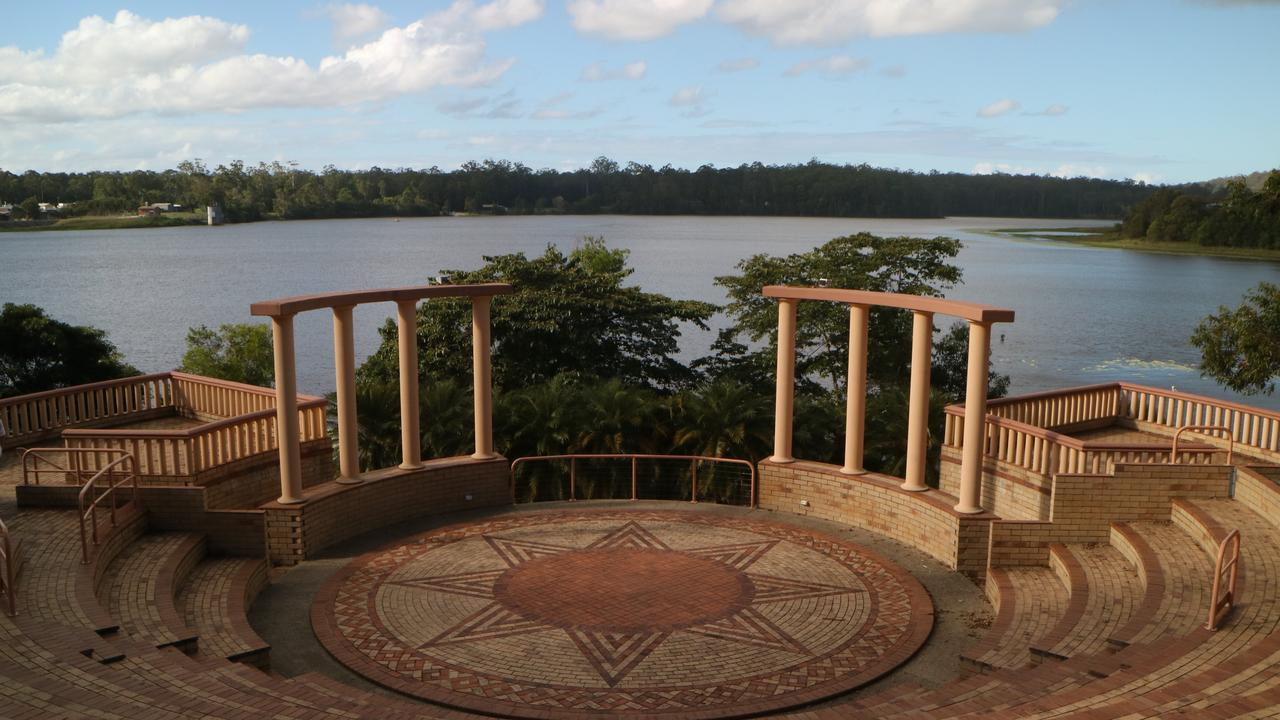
x=921 y=488
x=484 y=456
x=853 y=471
x=349 y=481
x=969 y=510
x=290 y=501
x=781 y=460
x=410 y=466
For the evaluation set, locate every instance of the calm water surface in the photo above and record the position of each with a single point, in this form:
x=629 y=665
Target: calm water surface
x=1084 y=315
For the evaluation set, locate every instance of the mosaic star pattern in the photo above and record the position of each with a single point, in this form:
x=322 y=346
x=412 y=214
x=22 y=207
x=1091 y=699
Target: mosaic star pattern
x=622 y=613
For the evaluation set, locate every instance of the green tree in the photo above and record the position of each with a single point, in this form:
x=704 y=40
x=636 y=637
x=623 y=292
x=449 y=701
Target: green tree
x=570 y=314
x=39 y=353
x=30 y=208
x=1240 y=347
x=724 y=418
x=240 y=352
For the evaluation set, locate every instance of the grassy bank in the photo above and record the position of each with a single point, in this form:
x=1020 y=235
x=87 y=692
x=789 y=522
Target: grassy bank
x=100 y=222
x=1105 y=238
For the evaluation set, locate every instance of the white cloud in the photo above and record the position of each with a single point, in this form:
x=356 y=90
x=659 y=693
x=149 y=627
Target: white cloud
x=1148 y=177
x=597 y=71
x=998 y=108
x=687 y=96
x=355 y=20
x=831 y=66
x=1065 y=170
x=1052 y=110
x=195 y=64
x=738 y=65
x=635 y=19
x=832 y=21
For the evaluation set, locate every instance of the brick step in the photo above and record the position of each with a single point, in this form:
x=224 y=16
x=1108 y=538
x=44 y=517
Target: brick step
x=1029 y=602
x=215 y=601
x=142 y=583
x=1175 y=574
x=1105 y=592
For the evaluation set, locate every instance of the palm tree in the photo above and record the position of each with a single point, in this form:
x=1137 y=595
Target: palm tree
x=446 y=419
x=539 y=420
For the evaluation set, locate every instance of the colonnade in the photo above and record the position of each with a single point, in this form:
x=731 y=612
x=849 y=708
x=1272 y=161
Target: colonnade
x=860 y=302
x=342 y=304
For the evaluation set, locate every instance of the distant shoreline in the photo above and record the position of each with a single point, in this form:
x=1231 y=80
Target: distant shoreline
x=106 y=222
x=1090 y=237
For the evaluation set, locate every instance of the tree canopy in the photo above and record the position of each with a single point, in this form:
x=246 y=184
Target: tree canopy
x=1232 y=217
x=40 y=353
x=1240 y=347
x=240 y=352
x=571 y=314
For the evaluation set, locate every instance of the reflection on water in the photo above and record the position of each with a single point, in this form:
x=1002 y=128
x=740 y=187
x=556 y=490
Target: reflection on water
x=1084 y=315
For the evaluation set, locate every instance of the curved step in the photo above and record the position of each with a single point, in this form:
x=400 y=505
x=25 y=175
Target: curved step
x=1105 y=593
x=1029 y=601
x=215 y=600
x=143 y=582
x=1176 y=575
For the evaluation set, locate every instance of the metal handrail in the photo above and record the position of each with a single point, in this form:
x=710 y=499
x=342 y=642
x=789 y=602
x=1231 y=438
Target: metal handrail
x=1220 y=604
x=8 y=574
x=90 y=512
x=1231 y=440
x=31 y=469
x=693 y=463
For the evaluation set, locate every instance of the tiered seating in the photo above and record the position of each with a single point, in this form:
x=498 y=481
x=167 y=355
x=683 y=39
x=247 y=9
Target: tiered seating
x=1118 y=629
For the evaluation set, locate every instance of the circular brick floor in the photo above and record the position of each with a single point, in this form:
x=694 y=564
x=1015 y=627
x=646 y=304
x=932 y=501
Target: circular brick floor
x=639 y=614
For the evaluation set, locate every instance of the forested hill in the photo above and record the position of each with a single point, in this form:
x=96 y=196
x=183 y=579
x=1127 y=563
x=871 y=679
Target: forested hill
x=814 y=188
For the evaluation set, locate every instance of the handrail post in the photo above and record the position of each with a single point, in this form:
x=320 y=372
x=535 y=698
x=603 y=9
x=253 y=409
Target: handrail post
x=573 y=479
x=693 y=473
x=634 y=496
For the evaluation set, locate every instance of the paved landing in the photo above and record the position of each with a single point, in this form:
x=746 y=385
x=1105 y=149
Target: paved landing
x=622 y=613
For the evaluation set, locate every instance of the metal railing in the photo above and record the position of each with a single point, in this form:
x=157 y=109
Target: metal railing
x=78 y=464
x=652 y=484
x=8 y=572
x=1231 y=440
x=1221 y=603
x=117 y=473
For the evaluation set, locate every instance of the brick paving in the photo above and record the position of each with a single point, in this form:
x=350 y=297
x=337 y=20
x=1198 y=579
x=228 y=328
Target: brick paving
x=639 y=614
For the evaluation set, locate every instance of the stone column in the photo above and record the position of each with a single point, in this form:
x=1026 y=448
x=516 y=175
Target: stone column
x=784 y=401
x=855 y=416
x=975 y=416
x=410 y=436
x=287 y=410
x=918 y=406
x=482 y=377
x=344 y=365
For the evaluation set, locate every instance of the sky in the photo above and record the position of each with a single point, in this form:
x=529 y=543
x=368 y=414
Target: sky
x=1160 y=91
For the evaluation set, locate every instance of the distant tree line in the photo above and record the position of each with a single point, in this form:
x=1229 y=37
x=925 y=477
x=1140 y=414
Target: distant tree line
x=279 y=190
x=1232 y=217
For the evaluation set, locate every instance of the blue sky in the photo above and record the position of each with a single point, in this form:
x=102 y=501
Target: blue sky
x=1157 y=90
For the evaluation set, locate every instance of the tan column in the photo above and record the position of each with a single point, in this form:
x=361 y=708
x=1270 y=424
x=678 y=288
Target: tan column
x=344 y=365
x=975 y=415
x=482 y=377
x=784 y=401
x=918 y=405
x=855 y=415
x=287 y=410
x=410 y=436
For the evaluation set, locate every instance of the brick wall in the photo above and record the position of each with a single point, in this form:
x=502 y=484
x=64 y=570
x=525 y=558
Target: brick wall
x=1009 y=491
x=239 y=533
x=250 y=482
x=1084 y=506
x=331 y=513
x=924 y=520
x=1256 y=487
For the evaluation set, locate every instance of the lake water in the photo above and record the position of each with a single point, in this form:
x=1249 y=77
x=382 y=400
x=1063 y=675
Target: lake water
x=1084 y=315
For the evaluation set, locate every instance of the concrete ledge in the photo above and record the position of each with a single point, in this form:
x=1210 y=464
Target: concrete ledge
x=925 y=520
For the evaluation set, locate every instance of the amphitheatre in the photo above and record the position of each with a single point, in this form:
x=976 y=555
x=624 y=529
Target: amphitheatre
x=175 y=546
